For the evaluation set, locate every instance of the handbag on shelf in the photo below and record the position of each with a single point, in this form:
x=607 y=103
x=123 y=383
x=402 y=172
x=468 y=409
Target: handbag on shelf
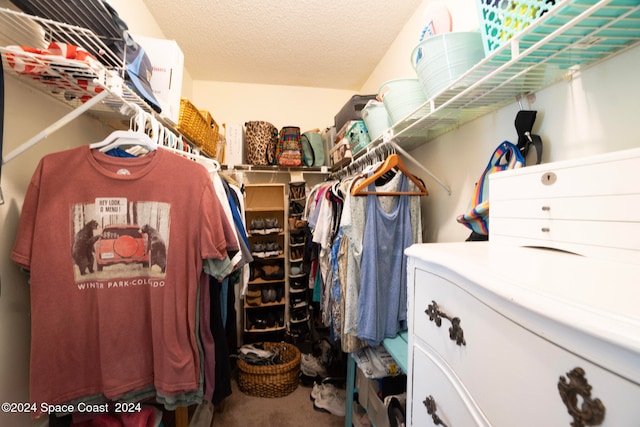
x=261 y=139
x=289 y=152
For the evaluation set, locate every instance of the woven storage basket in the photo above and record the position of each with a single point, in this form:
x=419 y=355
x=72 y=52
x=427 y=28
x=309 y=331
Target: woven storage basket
x=271 y=380
x=200 y=128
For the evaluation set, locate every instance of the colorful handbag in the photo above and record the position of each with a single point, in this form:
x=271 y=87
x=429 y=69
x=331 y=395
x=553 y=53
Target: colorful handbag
x=506 y=156
x=289 y=151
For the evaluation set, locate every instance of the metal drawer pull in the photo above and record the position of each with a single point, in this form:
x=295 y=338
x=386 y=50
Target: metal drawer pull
x=545 y=229
x=591 y=411
x=546 y=208
x=430 y=404
x=455 y=331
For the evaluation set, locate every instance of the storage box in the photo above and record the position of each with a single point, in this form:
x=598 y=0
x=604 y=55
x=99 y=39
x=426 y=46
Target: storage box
x=358 y=136
x=352 y=110
x=167 y=61
x=340 y=154
x=235 y=144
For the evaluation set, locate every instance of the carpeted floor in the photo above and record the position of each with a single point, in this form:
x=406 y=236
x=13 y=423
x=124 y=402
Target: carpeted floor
x=293 y=410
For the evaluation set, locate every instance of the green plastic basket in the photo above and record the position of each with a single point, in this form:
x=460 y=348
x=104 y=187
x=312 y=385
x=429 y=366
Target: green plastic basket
x=500 y=20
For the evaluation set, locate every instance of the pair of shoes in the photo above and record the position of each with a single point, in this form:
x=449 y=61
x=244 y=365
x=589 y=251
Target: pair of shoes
x=297 y=238
x=299 y=314
x=311 y=366
x=267 y=272
x=329 y=398
x=265 y=226
x=296 y=208
x=298 y=301
x=297 y=190
x=266 y=249
x=268 y=295
x=253 y=297
x=296 y=268
x=298 y=283
x=297 y=253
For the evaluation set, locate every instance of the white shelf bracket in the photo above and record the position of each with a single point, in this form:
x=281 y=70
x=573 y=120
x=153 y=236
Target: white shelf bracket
x=419 y=165
x=55 y=126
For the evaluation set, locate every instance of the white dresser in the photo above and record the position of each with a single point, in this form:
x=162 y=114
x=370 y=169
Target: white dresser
x=506 y=335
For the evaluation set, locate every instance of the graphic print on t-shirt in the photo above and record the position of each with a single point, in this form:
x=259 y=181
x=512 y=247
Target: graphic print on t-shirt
x=119 y=238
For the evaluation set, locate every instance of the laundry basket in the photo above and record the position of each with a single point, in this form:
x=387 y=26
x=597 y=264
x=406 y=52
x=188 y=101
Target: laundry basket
x=500 y=20
x=271 y=380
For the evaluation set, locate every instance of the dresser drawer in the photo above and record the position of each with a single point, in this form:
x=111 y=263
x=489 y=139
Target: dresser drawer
x=605 y=174
x=437 y=383
x=538 y=232
x=503 y=365
x=594 y=208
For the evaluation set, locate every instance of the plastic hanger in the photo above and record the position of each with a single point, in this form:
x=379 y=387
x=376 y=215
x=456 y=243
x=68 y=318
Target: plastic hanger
x=392 y=161
x=128 y=137
x=171 y=142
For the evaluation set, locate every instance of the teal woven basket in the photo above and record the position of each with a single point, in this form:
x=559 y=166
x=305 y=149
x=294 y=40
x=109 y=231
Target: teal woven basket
x=500 y=20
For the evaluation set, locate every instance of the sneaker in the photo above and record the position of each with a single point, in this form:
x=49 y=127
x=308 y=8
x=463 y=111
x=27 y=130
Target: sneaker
x=258 y=250
x=299 y=315
x=257 y=226
x=271 y=226
x=324 y=390
x=298 y=301
x=311 y=366
x=333 y=403
x=299 y=284
x=272 y=249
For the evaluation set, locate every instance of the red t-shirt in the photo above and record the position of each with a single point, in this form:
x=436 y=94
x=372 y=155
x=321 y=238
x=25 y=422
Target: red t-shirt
x=115 y=247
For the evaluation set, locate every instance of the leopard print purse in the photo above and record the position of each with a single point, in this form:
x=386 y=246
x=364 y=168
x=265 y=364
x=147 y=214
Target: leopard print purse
x=261 y=140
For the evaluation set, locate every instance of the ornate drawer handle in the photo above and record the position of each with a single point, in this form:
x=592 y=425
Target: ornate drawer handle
x=455 y=331
x=591 y=412
x=430 y=404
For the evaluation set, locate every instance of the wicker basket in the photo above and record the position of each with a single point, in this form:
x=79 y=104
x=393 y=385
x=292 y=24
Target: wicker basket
x=198 y=126
x=271 y=380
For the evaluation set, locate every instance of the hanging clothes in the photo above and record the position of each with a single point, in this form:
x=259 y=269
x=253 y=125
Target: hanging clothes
x=383 y=291
x=129 y=327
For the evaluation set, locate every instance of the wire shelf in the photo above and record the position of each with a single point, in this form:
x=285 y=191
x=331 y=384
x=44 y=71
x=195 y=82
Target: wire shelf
x=70 y=81
x=575 y=35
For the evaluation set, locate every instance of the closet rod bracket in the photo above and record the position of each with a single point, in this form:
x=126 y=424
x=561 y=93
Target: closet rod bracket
x=55 y=126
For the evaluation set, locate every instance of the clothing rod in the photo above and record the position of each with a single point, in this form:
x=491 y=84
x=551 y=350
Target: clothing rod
x=55 y=126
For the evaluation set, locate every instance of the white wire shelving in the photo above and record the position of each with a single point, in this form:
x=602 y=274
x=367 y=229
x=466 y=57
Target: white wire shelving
x=93 y=86
x=574 y=35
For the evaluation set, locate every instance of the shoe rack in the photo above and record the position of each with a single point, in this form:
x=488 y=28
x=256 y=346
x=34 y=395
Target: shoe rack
x=265 y=303
x=298 y=278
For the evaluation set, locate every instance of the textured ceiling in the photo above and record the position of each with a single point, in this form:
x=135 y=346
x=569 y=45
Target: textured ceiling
x=329 y=44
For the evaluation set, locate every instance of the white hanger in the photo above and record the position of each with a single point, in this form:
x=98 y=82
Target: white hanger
x=128 y=137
